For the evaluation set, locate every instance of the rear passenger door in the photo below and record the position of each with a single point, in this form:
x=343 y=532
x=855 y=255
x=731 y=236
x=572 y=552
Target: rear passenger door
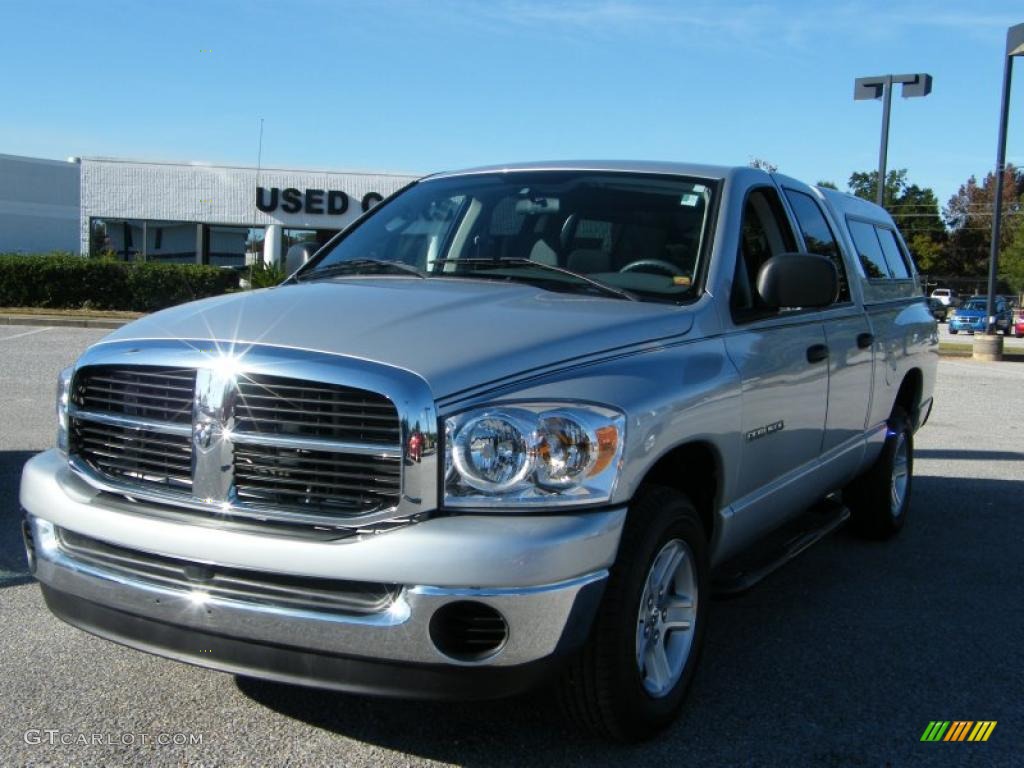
x=779 y=356
x=847 y=333
x=895 y=308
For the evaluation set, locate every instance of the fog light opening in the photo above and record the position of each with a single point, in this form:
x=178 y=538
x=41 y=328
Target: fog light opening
x=468 y=631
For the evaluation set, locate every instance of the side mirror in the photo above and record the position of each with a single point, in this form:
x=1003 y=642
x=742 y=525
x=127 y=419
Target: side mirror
x=298 y=255
x=798 y=280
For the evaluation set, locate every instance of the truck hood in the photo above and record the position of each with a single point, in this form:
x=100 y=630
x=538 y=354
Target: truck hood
x=455 y=333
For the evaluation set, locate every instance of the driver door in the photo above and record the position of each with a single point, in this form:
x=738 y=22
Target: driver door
x=782 y=359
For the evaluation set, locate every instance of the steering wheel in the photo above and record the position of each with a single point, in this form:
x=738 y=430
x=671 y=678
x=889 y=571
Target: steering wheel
x=671 y=269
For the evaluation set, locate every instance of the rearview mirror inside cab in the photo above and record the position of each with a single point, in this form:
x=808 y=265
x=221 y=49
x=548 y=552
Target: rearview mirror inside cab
x=798 y=280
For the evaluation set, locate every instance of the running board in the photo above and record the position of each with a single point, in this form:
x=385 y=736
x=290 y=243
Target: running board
x=778 y=548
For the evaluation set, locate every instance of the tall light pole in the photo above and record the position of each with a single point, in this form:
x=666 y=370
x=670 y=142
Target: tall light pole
x=1014 y=47
x=880 y=87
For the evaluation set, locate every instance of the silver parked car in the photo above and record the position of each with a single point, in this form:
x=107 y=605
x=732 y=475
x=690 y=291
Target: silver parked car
x=503 y=431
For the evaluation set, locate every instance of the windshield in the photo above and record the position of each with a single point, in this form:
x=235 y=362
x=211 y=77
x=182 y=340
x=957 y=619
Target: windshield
x=978 y=304
x=615 y=234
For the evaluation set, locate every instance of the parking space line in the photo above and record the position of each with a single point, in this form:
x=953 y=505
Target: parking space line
x=23 y=334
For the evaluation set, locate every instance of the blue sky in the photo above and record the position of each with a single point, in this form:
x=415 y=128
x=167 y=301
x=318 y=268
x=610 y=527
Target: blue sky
x=424 y=86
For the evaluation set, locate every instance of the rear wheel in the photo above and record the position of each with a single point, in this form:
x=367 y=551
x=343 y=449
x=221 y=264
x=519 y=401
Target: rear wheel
x=878 y=499
x=631 y=677
x=954 y=331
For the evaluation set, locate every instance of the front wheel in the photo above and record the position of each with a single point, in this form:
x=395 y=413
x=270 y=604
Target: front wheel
x=630 y=679
x=878 y=499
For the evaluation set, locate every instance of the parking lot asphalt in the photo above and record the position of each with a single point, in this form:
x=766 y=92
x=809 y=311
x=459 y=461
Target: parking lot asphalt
x=839 y=659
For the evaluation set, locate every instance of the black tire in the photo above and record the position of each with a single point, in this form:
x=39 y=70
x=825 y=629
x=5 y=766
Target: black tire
x=602 y=690
x=954 y=332
x=873 y=514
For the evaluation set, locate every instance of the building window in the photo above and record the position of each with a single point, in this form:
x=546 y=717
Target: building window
x=294 y=236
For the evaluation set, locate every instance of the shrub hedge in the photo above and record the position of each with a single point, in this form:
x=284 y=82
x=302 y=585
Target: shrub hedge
x=61 y=281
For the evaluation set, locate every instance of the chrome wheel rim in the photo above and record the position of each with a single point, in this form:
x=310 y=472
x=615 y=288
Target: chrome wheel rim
x=667 y=618
x=900 y=475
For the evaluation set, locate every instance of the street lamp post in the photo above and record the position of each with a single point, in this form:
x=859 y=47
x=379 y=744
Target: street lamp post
x=881 y=88
x=1014 y=47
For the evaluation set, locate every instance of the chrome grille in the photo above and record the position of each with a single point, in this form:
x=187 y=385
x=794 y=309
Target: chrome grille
x=161 y=394
x=316 y=480
x=273 y=405
x=238 y=444
x=327 y=595
x=137 y=455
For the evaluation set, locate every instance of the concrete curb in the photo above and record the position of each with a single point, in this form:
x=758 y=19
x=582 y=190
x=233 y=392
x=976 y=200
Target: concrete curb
x=62 y=321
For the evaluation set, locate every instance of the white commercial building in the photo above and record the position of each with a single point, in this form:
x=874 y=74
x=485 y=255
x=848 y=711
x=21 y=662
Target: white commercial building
x=39 y=205
x=217 y=213
x=180 y=212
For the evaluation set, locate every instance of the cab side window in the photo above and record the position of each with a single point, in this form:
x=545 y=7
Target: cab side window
x=764 y=233
x=818 y=236
x=894 y=255
x=869 y=249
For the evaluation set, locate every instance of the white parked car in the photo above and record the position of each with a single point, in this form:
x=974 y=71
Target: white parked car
x=947 y=296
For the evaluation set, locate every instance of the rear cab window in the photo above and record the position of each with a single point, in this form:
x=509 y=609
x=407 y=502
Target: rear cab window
x=869 y=250
x=894 y=256
x=887 y=269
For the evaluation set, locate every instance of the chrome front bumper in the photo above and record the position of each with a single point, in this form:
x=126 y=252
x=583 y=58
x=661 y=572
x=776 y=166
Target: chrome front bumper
x=544 y=574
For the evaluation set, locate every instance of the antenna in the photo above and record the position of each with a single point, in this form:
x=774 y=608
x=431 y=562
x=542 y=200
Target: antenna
x=259 y=163
x=259 y=152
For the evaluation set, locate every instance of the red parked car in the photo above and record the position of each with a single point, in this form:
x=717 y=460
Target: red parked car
x=1018 y=327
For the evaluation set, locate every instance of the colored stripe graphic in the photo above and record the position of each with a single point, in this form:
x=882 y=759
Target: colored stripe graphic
x=935 y=730
x=958 y=730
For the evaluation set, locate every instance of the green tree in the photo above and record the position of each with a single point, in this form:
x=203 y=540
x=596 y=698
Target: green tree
x=969 y=217
x=865 y=184
x=1011 y=262
x=929 y=253
x=827 y=184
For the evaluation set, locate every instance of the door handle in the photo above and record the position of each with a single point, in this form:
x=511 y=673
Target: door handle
x=865 y=340
x=817 y=352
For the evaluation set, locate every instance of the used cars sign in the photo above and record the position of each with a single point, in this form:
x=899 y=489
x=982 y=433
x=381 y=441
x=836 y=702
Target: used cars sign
x=313 y=201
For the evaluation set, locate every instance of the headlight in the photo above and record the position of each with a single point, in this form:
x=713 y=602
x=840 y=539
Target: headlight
x=532 y=455
x=63 y=396
x=494 y=452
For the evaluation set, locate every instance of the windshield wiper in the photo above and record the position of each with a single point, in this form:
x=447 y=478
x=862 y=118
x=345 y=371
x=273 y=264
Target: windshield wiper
x=363 y=267
x=519 y=262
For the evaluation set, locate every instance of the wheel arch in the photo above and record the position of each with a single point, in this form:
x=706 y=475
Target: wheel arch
x=908 y=397
x=695 y=469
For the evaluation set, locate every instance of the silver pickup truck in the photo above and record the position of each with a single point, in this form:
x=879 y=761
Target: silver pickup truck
x=514 y=427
